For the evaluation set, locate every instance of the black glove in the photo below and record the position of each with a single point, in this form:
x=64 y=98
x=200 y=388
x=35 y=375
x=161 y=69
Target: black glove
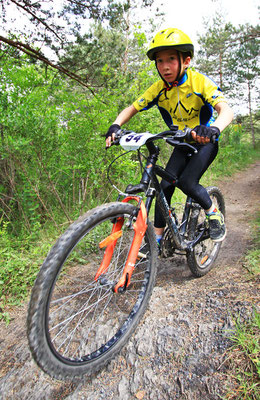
x=112 y=129
x=212 y=132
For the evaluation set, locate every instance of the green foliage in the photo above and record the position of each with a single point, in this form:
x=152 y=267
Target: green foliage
x=235 y=153
x=55 y=25
x=243 y=65
x=245 y=60
x=231 y=56
x=19 y=264
x=245 y=360
x=214 y=52
x=228 y=54
x=98 y=55
x=49 y=140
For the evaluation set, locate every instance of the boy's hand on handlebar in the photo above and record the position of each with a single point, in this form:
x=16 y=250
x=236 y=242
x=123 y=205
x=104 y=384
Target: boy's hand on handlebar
x=110 y=135
x=205 y=134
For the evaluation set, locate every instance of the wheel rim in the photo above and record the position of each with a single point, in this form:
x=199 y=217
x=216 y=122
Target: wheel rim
x=206 y=251
x=85 y=318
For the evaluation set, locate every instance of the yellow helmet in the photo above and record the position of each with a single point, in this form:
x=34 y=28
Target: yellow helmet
x=170 y=37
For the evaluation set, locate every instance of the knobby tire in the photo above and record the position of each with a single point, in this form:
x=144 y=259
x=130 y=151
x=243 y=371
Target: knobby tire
x=76 y=325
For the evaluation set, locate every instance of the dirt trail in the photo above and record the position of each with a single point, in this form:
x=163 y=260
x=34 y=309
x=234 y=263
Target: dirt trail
x=189 y=320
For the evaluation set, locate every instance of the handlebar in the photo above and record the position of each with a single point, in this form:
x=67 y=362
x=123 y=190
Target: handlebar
x=175 y=134
x=174 y=137
x=134 y=141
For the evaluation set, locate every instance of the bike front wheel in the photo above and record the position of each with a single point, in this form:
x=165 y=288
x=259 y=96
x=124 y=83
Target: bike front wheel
x=201 y=258
x=77 y=324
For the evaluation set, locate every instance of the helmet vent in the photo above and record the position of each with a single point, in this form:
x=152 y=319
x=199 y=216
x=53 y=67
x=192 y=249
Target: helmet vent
x=170 y=34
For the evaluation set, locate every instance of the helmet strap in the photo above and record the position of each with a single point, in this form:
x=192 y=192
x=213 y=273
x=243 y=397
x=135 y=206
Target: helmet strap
x=180 y=66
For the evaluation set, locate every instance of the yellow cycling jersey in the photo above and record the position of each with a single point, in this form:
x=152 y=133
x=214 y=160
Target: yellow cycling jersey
x=190 y=103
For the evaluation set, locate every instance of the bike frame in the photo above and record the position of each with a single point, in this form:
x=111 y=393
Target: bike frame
x=150 y=175
x=190 y=213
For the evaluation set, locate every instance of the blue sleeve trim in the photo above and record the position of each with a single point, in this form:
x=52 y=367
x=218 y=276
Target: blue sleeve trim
x=154 y=102
x=206 y=112
x=166 y=116
x=151 y=104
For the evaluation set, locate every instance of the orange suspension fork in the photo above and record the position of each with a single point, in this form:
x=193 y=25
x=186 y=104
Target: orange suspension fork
x=110 y=242
x=140 y=226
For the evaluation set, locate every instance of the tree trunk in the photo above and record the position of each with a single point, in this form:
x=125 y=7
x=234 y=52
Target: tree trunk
x=250 y=114
x=125 y=59
x=220 y=70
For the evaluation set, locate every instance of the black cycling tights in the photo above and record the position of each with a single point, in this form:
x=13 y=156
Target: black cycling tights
x=188 y=170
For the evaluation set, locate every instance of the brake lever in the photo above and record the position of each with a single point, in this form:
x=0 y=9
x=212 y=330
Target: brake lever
x=185 y=134
x=187 y=145
x=177 y=143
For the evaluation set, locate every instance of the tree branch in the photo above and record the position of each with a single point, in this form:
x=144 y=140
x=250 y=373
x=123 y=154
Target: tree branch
x=25 y=48
x=27 y=9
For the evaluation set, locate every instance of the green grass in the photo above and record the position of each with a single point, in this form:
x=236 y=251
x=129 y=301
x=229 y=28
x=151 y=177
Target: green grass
x=252 y=264
x=244 y=355
x=252 y=259
x=244 y=360
x=20 y=260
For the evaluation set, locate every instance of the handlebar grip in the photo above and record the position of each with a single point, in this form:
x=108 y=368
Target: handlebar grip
x=117 y=136
x=112 y=144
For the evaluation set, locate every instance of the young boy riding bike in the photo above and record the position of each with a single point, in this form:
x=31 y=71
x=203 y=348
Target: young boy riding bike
x=185 y=98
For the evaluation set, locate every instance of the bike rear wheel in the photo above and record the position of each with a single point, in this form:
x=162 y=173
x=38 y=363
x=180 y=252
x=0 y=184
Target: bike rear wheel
x=76 y=324
x=202 y=257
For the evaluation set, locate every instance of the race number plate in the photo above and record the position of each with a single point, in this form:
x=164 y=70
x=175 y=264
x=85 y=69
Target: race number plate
x=133 y=141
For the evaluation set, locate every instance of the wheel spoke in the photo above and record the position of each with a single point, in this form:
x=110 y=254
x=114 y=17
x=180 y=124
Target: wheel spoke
x=201 y=259
x=84 y=318
x=81 y=313
x=88 y=307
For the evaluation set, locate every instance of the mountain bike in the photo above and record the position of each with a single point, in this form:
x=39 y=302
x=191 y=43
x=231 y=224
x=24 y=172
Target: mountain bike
x=95 y=284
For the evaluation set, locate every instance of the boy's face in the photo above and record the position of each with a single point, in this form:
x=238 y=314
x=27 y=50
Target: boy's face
x=167 y=62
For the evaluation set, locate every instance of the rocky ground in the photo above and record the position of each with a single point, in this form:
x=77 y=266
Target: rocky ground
x=179 y=349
